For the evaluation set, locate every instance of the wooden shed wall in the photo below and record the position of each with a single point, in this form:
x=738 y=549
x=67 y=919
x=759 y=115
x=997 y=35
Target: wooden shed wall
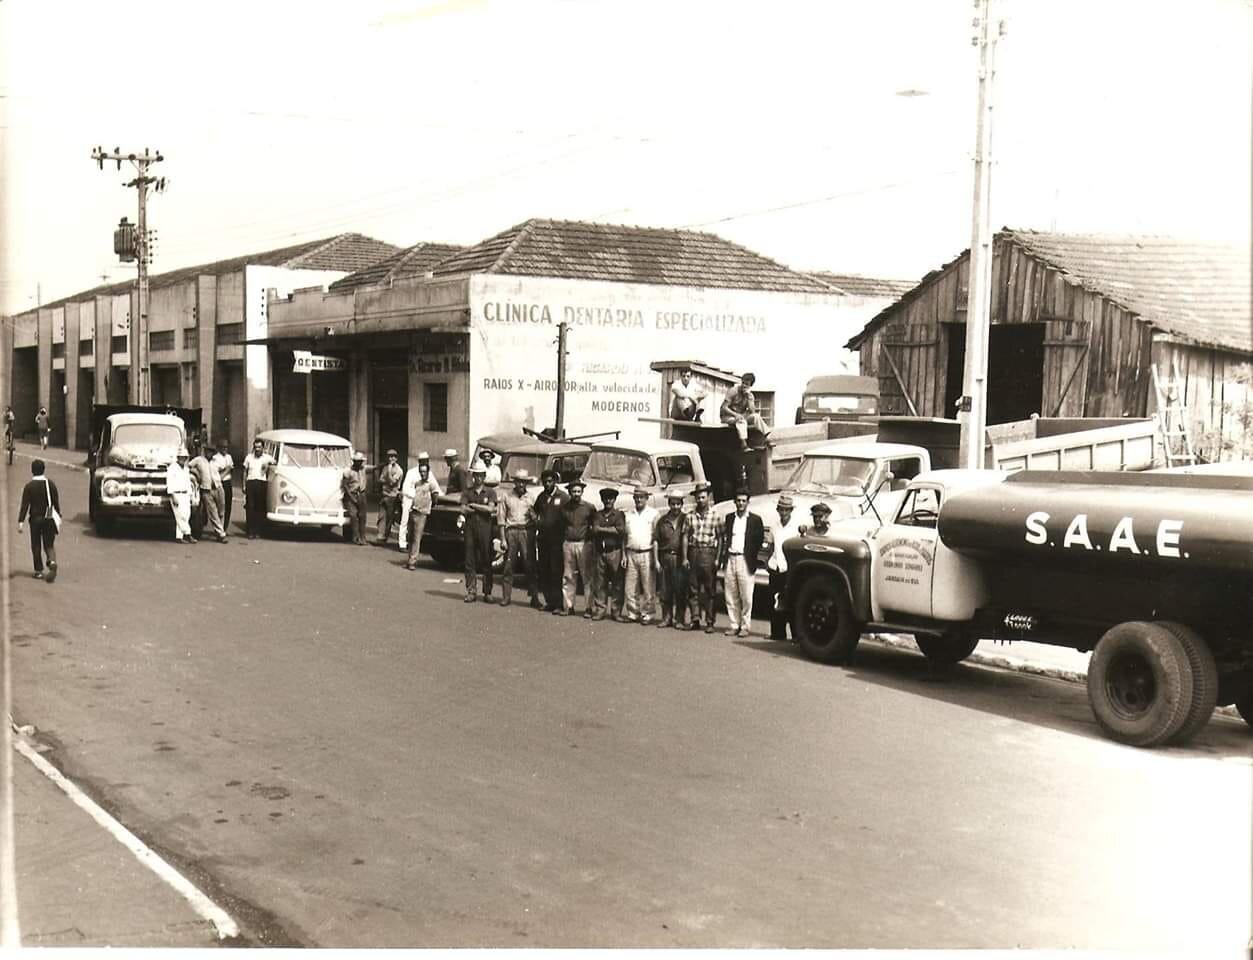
x=1217 y=395
x=1096 y=354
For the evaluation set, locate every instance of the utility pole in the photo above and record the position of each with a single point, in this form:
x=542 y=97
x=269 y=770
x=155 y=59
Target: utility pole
x=560 y=428
x=973 y=406
x=141 y=254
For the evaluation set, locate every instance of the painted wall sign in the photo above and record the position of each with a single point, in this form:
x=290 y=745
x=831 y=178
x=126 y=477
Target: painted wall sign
x=307 y=362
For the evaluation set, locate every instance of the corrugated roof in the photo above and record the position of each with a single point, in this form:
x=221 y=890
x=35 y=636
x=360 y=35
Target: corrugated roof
x=1196 y=292
x=415 y=261
x=859 y=286
x=576 y=250
x=345 y=251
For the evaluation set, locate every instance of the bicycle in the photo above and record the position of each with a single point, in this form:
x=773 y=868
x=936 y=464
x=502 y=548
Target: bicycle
x=8 y=444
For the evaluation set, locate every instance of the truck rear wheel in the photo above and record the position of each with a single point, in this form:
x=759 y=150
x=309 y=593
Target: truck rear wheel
x=1204 y=681
x=822 y=620
x=952 y=646
x=1140 y=683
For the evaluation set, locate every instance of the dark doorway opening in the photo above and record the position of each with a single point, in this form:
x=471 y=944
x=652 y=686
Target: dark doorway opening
x=24 y=390
x=56 y=408
x=82 y=408
x=167 y=387
x=1015 y=370
x=391 y=428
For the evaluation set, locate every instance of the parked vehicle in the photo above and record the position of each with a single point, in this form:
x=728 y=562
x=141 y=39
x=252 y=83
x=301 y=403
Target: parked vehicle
x=840 y=397
x=304 y=485
x=131 y=447
x=663 y=466
x=1151 y=572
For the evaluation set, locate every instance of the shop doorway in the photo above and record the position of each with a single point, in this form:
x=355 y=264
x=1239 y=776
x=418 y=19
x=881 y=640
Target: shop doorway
x=391 y=431
x=1015 y=370
x=82 y=408
x=56 y=408
x=24 y=390
x=167 y=387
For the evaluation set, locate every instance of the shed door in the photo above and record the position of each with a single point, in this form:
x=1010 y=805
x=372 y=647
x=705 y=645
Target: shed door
x=908 y=371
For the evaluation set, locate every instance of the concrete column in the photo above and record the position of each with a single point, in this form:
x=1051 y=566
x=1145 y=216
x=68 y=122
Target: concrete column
x=104 y=347
x=359 y=399
x=206 y=306
x=72 y=320
x=45 y=360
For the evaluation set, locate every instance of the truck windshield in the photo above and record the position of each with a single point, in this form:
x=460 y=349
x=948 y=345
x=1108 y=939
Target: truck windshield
x=313 y=455
x=147 y=435
x=837 y=403
x=615 y=466
x=532 y=463
x=831 y=475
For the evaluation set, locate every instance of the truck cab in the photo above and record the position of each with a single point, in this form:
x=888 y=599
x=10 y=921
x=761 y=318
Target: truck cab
x=132 y=448
x=662 y=466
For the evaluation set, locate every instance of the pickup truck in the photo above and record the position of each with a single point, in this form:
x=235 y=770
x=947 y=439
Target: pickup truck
x=1151 y=572
x=663 y=466
x=130 y=450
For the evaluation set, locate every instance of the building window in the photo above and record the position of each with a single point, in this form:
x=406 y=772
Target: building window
x=86 y=348
x=435 y=410
x=229 y=333
x=191 y=339
x=119 y=344
x=58 y=350
x=161 y=340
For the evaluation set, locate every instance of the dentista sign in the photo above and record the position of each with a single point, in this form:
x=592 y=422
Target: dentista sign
x=307 y=362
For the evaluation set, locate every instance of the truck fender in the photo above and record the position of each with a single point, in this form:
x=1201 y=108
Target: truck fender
x=800 y=572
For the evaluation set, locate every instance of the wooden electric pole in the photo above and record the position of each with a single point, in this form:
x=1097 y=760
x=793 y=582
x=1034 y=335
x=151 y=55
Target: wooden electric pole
x=973 y=405
x=560 y=428
x=142 y=388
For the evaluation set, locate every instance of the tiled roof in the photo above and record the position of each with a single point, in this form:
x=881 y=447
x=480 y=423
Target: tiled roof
x=1195 y=292
x=415 y=261
x=857 y=286
x=347 y=251
x=596 y=251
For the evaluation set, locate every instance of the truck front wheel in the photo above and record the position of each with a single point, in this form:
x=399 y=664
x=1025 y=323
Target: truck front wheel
x=822 y=620
x=1140 y=683
x=952 y=646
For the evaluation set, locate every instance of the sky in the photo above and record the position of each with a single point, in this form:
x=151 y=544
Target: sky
x=826 y=135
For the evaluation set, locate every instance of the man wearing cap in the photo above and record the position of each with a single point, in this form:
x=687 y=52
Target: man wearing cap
x=456 y=472
x=479 y=506
x=641 y=558
x=352 y=485
x=741 y=547
x=821 y=515
x=178 y=486
x=257 y=467
x=576 y=548
x=781 y=530
x=515 y=517
x=670 y=536
x=391 y=476
x=418 y=493
x=547 y=511
x=739 y=410
x=608 y=561
x=704 y=545
x=491 y=470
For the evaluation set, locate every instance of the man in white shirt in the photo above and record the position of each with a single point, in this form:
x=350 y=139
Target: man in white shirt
x=417 y=495
x=224 y=463
x=178 y=486
x=685 y=397
x=641 y=558
x=741 y=548
x=257 y=466
x=491 y=471
x=781 y=530
x=210 y=483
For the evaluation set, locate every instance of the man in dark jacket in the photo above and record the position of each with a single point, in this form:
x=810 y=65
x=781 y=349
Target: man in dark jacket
x=608 y=562
x=549 y=532
x=37 y=495
x=742 y=537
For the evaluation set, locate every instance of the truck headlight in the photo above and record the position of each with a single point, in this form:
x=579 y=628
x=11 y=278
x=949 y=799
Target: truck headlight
x=111 y=488
x=287 y=497
x=461 y=521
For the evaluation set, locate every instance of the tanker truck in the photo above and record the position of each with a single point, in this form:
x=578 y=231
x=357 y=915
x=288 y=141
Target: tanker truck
x=1151 y=572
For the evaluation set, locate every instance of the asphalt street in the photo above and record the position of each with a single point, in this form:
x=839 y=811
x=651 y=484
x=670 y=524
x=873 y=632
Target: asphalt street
x=343 y=754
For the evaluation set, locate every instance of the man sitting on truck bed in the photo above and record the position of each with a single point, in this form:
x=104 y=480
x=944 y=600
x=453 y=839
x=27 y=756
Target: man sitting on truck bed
x=739 y=410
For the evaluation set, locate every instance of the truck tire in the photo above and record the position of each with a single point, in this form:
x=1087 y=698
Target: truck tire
x=822 y=620
x=448 y=558
x=104 y=524
x=1244 y=706
x=1204 y=681
x=953 y=646
x=1140 y=683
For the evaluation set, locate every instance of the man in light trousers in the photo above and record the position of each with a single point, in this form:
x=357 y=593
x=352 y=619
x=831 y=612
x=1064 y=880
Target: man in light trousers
x=742 y=538
x=417 y=496
x=576 y=549
x=178 y=486
x=641 y=559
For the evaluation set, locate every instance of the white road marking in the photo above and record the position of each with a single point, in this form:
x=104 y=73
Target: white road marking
x=206 y=908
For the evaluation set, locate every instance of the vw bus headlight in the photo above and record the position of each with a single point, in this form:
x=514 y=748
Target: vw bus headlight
x=287 y=497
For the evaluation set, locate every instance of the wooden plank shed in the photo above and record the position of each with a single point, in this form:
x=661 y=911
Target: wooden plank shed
x=1078 y=321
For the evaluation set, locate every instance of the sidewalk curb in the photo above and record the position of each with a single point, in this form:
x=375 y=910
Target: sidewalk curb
x=60 y=463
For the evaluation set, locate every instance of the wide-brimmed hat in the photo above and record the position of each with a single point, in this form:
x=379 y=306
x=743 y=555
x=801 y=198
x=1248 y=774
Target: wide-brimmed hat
x=674 y=495
x=423 y=456
x=450 y=452
x=522 y=476
x=182 y=452
x=358 y=455
x=477 y=467
x=641 y=492
x=576 y=485
x=702 y=488
x=785 y=501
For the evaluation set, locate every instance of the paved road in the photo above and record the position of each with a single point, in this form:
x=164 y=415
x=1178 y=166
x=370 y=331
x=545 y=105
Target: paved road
x=346 y=755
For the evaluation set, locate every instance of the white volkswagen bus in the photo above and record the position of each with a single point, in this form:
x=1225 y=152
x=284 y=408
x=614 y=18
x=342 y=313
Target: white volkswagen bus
x=304 y=487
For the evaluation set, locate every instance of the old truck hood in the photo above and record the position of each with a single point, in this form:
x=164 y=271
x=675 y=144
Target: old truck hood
x=141 y=456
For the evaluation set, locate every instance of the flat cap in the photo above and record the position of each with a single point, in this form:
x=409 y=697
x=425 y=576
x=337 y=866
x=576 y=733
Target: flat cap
x=820 y=507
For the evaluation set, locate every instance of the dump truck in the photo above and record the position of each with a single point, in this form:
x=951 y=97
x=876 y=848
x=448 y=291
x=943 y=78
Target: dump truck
x=1151 y=572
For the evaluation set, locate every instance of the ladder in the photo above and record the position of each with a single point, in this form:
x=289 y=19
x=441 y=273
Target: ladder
x=1172 y=417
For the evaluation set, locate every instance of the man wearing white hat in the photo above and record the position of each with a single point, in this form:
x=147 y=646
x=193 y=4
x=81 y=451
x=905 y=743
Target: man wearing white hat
x=516 y=518
x=456 y=472
x=417 y=496
x=352 y=485
x=178 y=486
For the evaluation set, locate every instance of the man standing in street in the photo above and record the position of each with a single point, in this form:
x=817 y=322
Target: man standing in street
x=178 y=486
x=479 y=506
x=515 y=518
x=418 y=493
x=670 y=535
x=739 y=410
x=704 y=544
x=456 y=472
x=608 y=561
x=548 y=538
x=391 y=476
x=491 y=470
x=257 y=467
x=352 y=485
x=222 y=462
x=741 y=547
x=210 y=483
x=39 y=497
x=641 y=558
x=781 y=531
x=576 y=549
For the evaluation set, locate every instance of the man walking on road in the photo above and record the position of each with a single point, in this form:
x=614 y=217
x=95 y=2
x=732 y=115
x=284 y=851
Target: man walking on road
x=391 y=476
x=608 y=560
x=704 y=545
x=515 y=518
x=479 y=506
x=641 y=559
x=257 y=467
x=548 y=538
x=670 y=534
x=418 y=493
x=43 y=428
x=352 y=485
x=781 y=530
x=576 y=549
x=741 y=546
x=39 y=496
x=178 y=486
